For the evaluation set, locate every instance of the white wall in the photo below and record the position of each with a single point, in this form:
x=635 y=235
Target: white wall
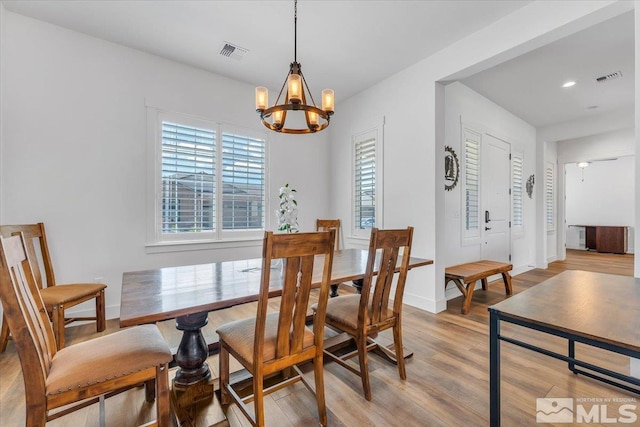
x=2 y=37
x=74 y=150
x=602 y=136
x=607 y=194
x=464 y=104
x=605 y=197
x=603 y=145
x=636 y=365
x=410 y=102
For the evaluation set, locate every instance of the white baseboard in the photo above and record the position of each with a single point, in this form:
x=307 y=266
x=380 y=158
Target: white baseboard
x=521 y=269
x=452 y=292
x=111 y=312
x=425 y=304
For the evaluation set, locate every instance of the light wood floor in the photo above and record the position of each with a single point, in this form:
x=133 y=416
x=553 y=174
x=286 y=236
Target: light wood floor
x=447 y=378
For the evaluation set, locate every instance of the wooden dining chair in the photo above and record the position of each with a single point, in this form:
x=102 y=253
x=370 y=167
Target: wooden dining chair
x=79 y=374
x=57 y=298
x=275 y=342
x=325 y=225
x=363 y=316
x=329 y=224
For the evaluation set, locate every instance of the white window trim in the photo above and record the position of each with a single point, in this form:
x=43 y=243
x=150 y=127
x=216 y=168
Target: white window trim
x=158 y=242
x=378 y=131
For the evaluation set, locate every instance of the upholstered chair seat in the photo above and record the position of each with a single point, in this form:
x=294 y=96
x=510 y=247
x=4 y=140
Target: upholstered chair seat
x=64 y=294
x=117 y=355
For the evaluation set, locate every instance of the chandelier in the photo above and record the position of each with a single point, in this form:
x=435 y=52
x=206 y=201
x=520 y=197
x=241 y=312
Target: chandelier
x=295 y=98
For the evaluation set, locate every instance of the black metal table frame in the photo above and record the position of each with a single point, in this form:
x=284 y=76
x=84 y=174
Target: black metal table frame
x=495 y=316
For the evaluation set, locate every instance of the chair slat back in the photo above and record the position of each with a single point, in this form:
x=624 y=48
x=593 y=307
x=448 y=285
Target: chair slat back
x=25 y=313
x=33 y=233
x=384 y=249
x=298 y=253
x=328 y=224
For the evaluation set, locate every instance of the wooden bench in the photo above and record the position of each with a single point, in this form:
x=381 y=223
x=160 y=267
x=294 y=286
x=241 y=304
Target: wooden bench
x=466 y=275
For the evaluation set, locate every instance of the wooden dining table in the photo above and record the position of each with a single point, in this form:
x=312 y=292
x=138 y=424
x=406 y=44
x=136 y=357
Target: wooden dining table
x=188 y=293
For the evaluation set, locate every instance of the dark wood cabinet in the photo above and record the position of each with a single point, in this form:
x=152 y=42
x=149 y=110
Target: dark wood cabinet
x=604 y=238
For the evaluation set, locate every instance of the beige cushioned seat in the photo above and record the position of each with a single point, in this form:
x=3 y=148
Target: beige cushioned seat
x=240 y=335
x=54 y=295
x=344 y=311
x=73 y=367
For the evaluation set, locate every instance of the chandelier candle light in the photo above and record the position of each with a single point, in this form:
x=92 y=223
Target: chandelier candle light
x=295 y=99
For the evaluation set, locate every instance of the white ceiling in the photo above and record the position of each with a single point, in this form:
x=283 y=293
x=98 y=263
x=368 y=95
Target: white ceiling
x=351 y=45
x=344 y=45
x=530 y=86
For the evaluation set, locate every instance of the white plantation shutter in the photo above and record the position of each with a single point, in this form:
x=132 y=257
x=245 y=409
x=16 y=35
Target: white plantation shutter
x=365 y=183
x=517 y=193
x=188 y=178
x=471 y=142
x=243 y=182
x=548 y=193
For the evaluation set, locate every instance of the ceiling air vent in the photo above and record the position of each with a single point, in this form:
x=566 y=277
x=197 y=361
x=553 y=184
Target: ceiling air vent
x=232 y=51
x=608 y=77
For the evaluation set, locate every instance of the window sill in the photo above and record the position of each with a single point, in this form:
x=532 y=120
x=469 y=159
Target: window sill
x=357 y=242
x=359 y=238
x=199 y=245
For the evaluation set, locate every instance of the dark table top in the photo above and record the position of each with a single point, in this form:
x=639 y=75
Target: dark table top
x=154 y=295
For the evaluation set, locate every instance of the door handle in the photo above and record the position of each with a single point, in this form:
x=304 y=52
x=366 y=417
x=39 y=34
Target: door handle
x=487 y=228
x=486 y=216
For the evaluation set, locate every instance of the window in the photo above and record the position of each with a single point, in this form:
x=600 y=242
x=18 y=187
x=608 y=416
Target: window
x=188 y=178
x=243 y=183
x=209 y=180
x=471 y=143
x=517 y=187
x=548 y=193
x=367 y=183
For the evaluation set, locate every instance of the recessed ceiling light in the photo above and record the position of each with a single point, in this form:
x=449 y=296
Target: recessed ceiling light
x=569 y=84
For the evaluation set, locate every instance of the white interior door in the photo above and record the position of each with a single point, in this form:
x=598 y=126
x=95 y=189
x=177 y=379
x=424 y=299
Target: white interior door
x=495 y=231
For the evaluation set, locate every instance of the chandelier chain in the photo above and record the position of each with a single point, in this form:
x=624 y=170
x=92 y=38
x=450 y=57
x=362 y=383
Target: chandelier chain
x=295 y=31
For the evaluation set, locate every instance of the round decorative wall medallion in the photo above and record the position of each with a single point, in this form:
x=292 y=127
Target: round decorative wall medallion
x=451 y=169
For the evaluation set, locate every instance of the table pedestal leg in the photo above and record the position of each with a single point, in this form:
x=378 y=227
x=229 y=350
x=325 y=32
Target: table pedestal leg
x=192 y=394
x=192 y=352
x=192 y=388
x=358 y=285
x=334 y=290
